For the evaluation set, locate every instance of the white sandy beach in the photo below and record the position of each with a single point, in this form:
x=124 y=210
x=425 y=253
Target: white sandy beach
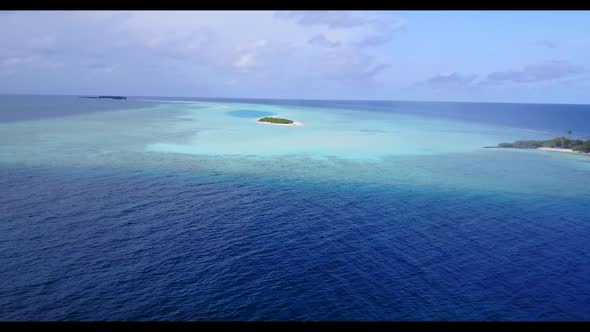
x=564 y=151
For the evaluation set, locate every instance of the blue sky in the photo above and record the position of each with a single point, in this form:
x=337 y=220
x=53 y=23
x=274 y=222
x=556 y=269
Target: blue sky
x=503 y=56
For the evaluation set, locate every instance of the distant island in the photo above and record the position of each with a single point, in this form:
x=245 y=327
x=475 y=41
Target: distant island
x=106 y=97
x=279 y=121
x=559 y=144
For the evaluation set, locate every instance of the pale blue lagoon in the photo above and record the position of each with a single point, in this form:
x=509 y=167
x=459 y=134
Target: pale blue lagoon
x=189 y=209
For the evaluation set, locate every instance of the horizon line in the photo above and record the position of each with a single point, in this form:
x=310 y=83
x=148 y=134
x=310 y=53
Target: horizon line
x=299 y=99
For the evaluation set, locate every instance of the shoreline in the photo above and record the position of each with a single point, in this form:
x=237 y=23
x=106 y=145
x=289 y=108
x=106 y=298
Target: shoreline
x=564 y=151
x=570 y=151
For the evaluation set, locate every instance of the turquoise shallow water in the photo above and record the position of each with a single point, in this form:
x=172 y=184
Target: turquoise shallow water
x=332 y=145
x=184 y=210
x=326 y=133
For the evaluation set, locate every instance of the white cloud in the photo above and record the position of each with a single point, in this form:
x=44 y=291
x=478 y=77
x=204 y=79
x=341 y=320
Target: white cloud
x=321 y=40
x=546 y=71
x=350 y=64
x=244 y=61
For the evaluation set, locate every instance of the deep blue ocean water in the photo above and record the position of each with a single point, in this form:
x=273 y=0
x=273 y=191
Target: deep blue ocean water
x=149 y=243
x=33 y=107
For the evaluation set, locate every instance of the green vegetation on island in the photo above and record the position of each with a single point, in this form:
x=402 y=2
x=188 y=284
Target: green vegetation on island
x=276 y=120
x=558 y=142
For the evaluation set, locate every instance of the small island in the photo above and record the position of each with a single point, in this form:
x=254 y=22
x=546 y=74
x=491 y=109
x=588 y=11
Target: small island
x=106 y=97
x=279 y=121
x=558 y=144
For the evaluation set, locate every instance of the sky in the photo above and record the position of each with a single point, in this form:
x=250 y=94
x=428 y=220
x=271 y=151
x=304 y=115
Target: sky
x=496 y=56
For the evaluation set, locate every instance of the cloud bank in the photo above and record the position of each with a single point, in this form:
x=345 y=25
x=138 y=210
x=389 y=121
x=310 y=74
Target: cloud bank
x=202 y=51
x=284 y=54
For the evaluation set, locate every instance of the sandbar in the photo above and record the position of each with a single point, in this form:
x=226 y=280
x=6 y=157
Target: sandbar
x=564 y=151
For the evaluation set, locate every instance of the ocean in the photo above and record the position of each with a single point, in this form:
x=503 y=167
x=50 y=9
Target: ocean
x=171 y=209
